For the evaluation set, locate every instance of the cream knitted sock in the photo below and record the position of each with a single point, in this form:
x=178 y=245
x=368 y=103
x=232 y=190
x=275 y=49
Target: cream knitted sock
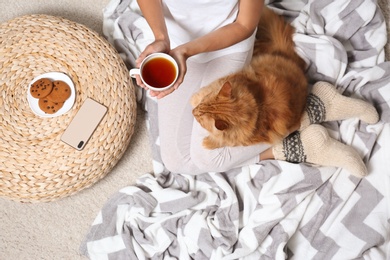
x=314 y=145
x=324 y=103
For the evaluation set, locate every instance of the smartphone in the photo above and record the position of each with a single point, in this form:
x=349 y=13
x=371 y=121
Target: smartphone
x=84 y=124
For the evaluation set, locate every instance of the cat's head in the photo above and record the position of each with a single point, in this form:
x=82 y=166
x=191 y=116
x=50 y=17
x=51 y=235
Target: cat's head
x=223 y=110
x=211 y=111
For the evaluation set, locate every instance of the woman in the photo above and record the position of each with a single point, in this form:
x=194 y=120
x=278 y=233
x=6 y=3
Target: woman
x=209 y=39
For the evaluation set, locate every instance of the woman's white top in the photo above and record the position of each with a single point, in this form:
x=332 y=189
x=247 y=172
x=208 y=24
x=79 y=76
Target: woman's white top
x=187 y=20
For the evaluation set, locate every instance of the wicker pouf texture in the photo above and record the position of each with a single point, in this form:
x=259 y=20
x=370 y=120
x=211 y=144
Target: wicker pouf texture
x=35 y=165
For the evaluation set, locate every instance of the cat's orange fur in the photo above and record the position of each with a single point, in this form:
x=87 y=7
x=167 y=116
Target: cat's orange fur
x=263 y=102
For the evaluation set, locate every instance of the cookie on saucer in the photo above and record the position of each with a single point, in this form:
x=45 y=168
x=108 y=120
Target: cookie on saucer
x=60 y=93
x=48 y=106
x=41 y=88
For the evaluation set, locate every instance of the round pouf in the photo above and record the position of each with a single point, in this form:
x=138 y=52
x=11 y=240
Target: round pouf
x=35 y=165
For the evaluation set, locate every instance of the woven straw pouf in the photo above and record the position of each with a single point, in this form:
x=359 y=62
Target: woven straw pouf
x=35 y=165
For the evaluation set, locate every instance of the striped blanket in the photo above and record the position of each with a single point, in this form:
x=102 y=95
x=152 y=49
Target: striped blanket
x=274 y=209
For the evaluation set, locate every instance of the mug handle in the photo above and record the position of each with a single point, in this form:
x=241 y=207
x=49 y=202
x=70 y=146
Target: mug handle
x=134 y=72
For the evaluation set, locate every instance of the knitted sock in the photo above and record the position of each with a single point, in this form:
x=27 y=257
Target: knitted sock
x=314 y=145
x=324 y=103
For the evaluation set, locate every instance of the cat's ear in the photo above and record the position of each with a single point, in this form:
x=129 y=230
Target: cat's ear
x=226 y=90
x=221 y=124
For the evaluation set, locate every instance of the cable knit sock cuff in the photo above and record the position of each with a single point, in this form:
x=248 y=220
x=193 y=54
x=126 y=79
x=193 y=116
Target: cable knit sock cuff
x=290 y=149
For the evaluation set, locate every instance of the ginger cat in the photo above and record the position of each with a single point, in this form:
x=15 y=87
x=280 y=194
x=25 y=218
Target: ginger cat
x=264 y=101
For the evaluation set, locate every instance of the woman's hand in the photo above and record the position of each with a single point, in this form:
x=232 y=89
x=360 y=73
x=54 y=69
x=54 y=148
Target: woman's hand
x=156 y=46
x=179 y=54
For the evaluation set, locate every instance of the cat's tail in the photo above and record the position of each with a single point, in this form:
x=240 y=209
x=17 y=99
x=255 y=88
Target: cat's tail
x=275 y=36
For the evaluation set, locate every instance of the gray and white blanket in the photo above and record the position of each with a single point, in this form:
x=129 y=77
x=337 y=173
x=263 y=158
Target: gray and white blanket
x=274 y=209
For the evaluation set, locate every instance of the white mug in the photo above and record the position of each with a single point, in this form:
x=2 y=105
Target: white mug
x=158 y=71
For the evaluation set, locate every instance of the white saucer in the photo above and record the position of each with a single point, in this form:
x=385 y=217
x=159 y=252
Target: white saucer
x=33 y=102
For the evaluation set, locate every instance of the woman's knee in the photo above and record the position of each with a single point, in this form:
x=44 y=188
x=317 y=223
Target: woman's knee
x=209 y=161
x=170 y=159
x=177 y=162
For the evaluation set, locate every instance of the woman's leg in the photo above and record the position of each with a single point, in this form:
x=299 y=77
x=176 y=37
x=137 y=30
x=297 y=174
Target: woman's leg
x=175 y=122
x=180 y=134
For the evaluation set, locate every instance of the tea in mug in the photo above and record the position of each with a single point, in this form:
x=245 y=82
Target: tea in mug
x=159 y=72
